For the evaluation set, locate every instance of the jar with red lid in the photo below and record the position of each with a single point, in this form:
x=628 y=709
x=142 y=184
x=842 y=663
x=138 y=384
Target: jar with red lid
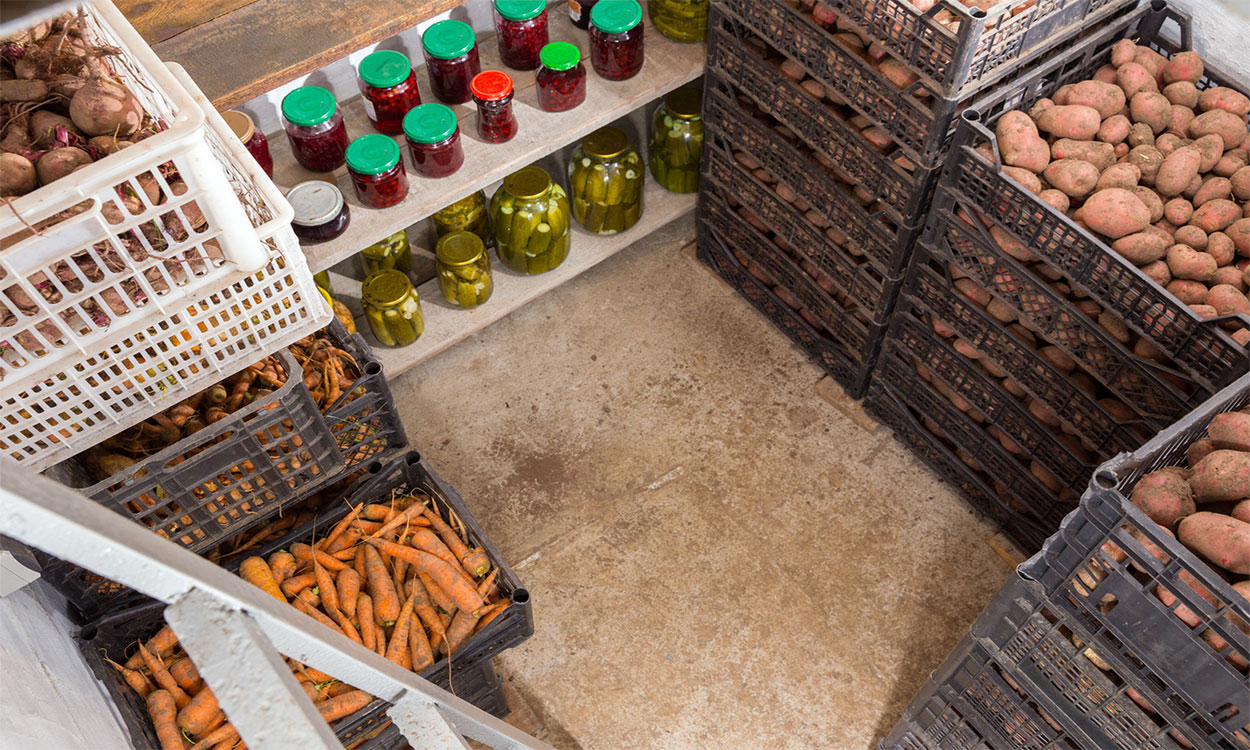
x=320 y=213
x=492 y=90
x=314 y=126
x=561 y=77
x=433 y=140
x=377 y=171
x=521 y=27
x=616 y=39
x=451 y=60
x=252 y=139
x=388 y=89
x=579 y=12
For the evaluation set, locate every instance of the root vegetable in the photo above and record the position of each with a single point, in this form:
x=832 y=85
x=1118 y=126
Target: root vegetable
x=1119 y=175
x=1182 y=94
x=1228 y=126
x=1214 y=215
x=1227 y=300
x=1192 y=236
x=1133 y=78
x=1177 y=170
x=1184 y=66
x=1070 y=121
x=1187 y=263
x=1221 y=475
x=1231 y=431
x=1151 y=108
x=1224 y=98
x=1141 y=248
x=1223 y=540
x=1074 y=177
x=43 y=128
x=60 y=162
x=1164 y=497
x=1213 y=188
x=17 y=175
x=105 y=107
x=1108 y=99
x=1115 y=212
x=17 y=90
x=1019 y=142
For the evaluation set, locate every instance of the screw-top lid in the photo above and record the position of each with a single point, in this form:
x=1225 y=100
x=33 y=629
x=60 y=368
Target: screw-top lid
x=315 y=202
x=372 y=154
x=520 y=10
x=384 y=68
x=527 y=182
x=459 y=248
x=616 y=16
x=448 y=39
x=308 y=105
x=491 y=84
x=430 y=123
x=240 y=123
x=686 y=103
x=605 y=143
x=560 y=56
x=386 y=288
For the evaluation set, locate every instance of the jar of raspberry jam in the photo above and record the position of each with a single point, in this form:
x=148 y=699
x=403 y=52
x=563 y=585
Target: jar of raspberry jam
x=253 y=140
x=579 y=12
x=561 y=77
x=314 y=126
x=377 y=171
x=521 y=27
x=616 y=39
x=388 y=89
x=492 y=91
x=451 y=60
x=321 y=214
x=433 y=140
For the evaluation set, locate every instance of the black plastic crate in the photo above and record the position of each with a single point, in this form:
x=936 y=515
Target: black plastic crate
x=1200 y=349
x=934 y=721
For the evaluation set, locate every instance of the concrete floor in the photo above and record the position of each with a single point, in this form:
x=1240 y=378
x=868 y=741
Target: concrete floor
x=717 y=556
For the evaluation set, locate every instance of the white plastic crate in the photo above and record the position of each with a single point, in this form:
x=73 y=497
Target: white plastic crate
x=169 y=357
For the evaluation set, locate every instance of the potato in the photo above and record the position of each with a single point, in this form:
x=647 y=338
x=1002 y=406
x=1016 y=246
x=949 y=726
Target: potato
x=1169 y=142
x=1191 y=235
x=1184 y=66
x=1222 y=97
x=1212 y=149
x=1140 y=134
x=973 y=292
x=1231 y=431
x=1239 y=233
x=1221 y=248
x=1221 y=475
x=1019 y=143
x=1008 y=243
x=1114 y=129
x=1178 y=119
x=1177 y=170
x=1115 y=212
x=1106 y=98
x=1158 y=272
x=1198 y=450
x=1204 y=312
x=1178 y=211
x=1228 y=126
x=1188 y=263
x=1133 y=78
x=1027 y=179
x=1215 y=215
x=1056 y=198
x=1059 y=358
x=1164 y=497
x=1150 y=199
x=1231 y=161
x=1187 y=291
x=1074 y=177
x=1123 y=52
x=1072 y=121
x=1182 y=93
x=1141 y=248
x=1227 y=300
x=1223 y=540
x=1149 y=160
x=1241 y=511
x=1101 y=155
x=1213 y=188
x=1240 y=183
x=1114 y=325
x=1230 y=275
x=1001 y=312
x=1120 y=175
x=1151 y=108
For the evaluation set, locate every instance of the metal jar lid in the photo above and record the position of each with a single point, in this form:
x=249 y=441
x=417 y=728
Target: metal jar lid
x=606 y=143
x=459 y=248
x=240 y=123
x=527 y=182
x=386 y=288
x=315 y=202
x=685 y=103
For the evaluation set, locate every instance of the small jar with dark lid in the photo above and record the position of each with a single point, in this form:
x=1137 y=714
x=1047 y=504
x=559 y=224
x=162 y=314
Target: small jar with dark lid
x=579 y=12
x=492 y=90
x=616 y=51
x=463 y=269
x=253 y=140
x=522 y=31
x=451 y=60
x=377 y=171
x=433 y=140
x=314 y=126
x=561 y=78
x=388 y=89
x=321 y=214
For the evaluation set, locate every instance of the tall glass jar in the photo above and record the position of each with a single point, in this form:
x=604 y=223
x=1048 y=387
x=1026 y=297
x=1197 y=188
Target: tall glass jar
x=616 y=39
x=606 y=176
x=388 y=88
x=529 y=215
x=561 y=78
x=492 y=90
x=680 y=20
x=521 y=27
x=579 y=12
x=451 y=60
x=376 y=170
x=391 y=254
x=252 y=139
x=392 y=308
x=677 y=141
x=314 y=126
x=433 y=140
x=463 y=267
x=465 y=215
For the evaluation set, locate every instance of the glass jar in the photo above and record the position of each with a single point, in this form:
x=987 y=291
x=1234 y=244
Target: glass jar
x=451 y=60
x=606 y=176
x=321 y=214
x=529 y=216
x=561 y=77
x=579 y=12
x=522 y=31
x=433 y=140
x=465 y=215
x=463 y=269
x=314 y=126
x=492 y=91
x=252 y=139
x=391 y=254
x=679 y=20
x=376 y=170
x=616 y=39
x=322 y=280
x=392 y=308
x=388 y=88
x=677 y=141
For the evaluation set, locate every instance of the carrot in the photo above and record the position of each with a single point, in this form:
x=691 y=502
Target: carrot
x=308 y=554
x=219 y=718
x=487 y=587
x=328 y=541
x=226 y=732
x=367 y=527
x=381 y=588
x=186 y=675
x=310 y=597
x=438 y=597
x=428 y=541
x=163 y=641
x=343 y=705
x=295 y=584
x=348 y=584
x=325 y=587
x=163 y=678
x=419 y=645
x=316 y=675
x=376 y=512
x=135 y=679
x=359 y=562
x=379 y=640
x=397 y=649
x=491 y=613
x=198 y=714
x=228 y=744
x=345 y=625
x=282 y=563
x=399 y=570
x=475 y=560
x=399 y=519
x=338 y=688
x=364 y=612
x=256 y=571
x=443 y=574
x=425 y=611
x=462 y=625
x=164 y=712
x=315 y=613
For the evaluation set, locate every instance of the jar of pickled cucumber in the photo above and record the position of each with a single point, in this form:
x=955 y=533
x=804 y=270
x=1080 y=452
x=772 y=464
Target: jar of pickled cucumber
x=680 y=20
x=463 y=269
x=322 y=280
x=677 y=141
x=465 y=215
x=529 y=216
x=392 y=308
x=606 y=176
x=393 y=252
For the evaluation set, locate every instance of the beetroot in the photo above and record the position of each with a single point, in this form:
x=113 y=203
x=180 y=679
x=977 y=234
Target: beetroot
x=17 y=175
x=105 y=107
x=59 y=162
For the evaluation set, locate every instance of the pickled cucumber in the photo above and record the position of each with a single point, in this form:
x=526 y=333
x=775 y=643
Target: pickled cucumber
x=607 y=177
x=677 y=144
x=531 y=233
x=468 y=214
x=680 y=20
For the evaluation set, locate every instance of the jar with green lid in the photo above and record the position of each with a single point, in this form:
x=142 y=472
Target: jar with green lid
x=677 y=141
x=392 y=253
x=465 y=215
x=529 y=215
x=680 y=20
x=606 y=175
x=463 y=269
x=392 y=308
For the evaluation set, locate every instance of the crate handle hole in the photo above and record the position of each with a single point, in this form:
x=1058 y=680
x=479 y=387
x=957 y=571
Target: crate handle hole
x=1106 y=479
x=412 y=458
x=977 y=12
x=520 y=596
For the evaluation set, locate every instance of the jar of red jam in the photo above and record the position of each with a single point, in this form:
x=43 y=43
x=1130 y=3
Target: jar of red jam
x=433 y=140
x=561 y=77
x=252 y=139
x=388 y=88
x=315 y=128
x=492 y=91
x=579 y=12
x=377 y=171
x=616 y=39
x=321 y=214
x=521 y=27
x=451 y=60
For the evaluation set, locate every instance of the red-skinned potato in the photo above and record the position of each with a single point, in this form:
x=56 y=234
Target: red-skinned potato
x=1076 y=178
x=1151 y=108
x=1108 y=99
x=1184 y=66
x=1215 y=215
x=1019 y=143
x=1213 y=188
x=1164 y=497
x=1182 y=93
x=1119 y=175
x=1115 y=212
x=1220 y=246
x=1188 y=291
x=1190 y=235
x=1228 y=300
x=1177 y=170
x=1223 y=540
x=1230 y=431
x=1177 y=211
x=1114 y=129
x=1222 y=475
x=1132 y=78
x=1222 y=97
x=1188 y=263
x=1228 y=126
x=1075 y=121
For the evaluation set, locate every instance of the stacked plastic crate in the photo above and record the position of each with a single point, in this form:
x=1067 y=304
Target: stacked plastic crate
x=826 y=126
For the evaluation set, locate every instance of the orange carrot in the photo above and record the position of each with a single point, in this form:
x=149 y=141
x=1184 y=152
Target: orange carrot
x=475 y=560
x=198 y=714
x=163 y=641
x=325 y=587
x=367 y=527
x=345 y=555
x=398 y=647
x=487 y=587
x=381 y=588
x=164 y=713
x=282 y=563
x=328 y=541
x=137 y=682
x=186 y=675
x=346 y=541
x=219 y=718
x=491 y=613
x=462 y=625
x=399 y=519
x=256 y=571
x=338 y=688
x=379 y=640
x=364 y=612
x=443 y=574
x=216 y=737
x=295 y=584
x=376 y=512
x=399 y=570
x=348 y=584
x=163 y=678
x=310 y=597
x=419 y=646
x=345 y=625
x=425 y=611
x=316 y=675
x=438 y=597
x=343 y=705
x=428 y=541
x=229 y=744
x=308 y=554
x=315 y=613
x=359 y=562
